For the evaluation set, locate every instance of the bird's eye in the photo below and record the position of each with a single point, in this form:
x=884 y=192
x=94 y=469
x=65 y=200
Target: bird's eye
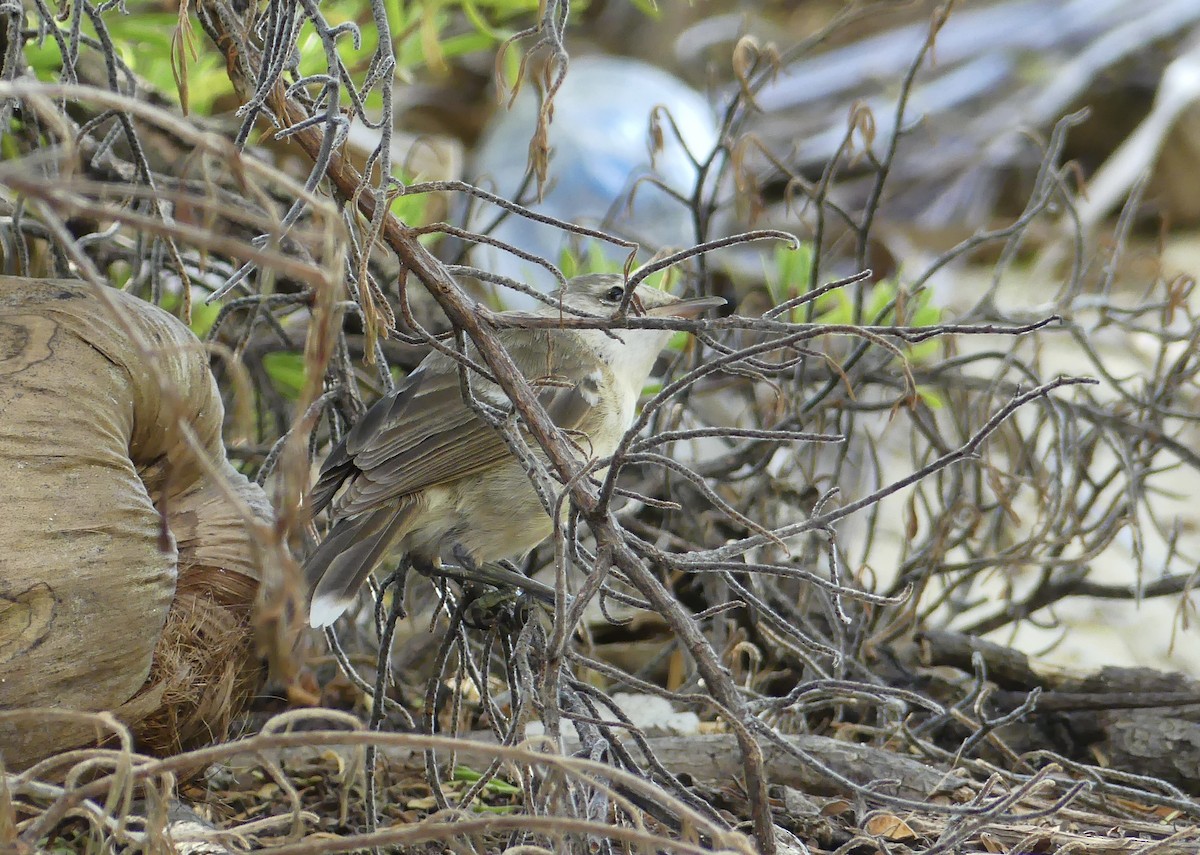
x=614 y=294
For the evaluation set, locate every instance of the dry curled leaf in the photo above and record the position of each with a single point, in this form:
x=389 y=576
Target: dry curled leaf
x=889 y=827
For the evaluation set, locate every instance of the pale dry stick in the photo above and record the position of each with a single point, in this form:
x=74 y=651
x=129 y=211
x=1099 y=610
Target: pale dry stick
x=884 y=167
x=38 y=93
x=1045 y=192
x=457 y=829
x=171 y=124
x=952 y=839
x=753 y=68
x=123 y=126
x=875 y=334
x=282 y=723
x=667 y=261
x=972 y=812
x=121 y=790
x=209 y=205
x=1140 y=788
x=1132 y=161
x=795 y=335
x=591 y=772
x=512 y=208
x=1146 y=430
x=550 y=30
x=488 y=240
x=36 y=187
x=119 y=827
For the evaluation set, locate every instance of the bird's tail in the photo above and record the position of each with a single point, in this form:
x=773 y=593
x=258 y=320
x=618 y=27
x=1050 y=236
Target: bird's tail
x=352 y=549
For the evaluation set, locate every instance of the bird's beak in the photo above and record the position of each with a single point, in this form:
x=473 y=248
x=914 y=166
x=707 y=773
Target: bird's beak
x=686 y=308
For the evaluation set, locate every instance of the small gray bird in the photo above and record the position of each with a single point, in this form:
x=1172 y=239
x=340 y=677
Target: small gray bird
x=421 y=473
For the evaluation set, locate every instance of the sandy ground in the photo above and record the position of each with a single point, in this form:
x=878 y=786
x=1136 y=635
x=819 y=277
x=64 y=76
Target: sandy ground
x=1161 y=633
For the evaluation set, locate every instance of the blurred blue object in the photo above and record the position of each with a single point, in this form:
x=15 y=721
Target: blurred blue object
x=600 y=147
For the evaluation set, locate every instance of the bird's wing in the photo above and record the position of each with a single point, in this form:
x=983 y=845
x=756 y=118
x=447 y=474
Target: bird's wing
x=424 y=434
x=346 y=557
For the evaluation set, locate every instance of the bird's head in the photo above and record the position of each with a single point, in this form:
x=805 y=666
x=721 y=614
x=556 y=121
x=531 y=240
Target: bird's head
x=600 y=294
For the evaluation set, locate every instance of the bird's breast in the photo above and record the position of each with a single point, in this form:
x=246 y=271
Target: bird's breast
x=609 y=419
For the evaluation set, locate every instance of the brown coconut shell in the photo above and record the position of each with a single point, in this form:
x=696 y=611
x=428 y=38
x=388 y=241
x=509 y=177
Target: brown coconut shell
x=127 y=573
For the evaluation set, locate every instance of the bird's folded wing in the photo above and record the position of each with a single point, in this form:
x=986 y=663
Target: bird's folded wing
x=427 y=435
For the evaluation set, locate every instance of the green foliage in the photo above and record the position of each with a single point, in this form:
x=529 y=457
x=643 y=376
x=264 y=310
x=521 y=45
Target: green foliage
x=595 y=261
x=495 y=785
x=792 y=273
x=286 y=370
x=410 y=210
x=172 y=55
x=146 y=40
x=180 y=63
x=592 y=261
x=204 y=315
x=930 y=397
x=649 y=8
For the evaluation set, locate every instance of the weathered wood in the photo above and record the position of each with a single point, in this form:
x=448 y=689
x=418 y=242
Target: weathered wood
x=714 y=758
x=1135 y=719
x=103 y=505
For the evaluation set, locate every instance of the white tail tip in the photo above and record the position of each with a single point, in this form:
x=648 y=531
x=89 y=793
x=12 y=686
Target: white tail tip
x=325 y=609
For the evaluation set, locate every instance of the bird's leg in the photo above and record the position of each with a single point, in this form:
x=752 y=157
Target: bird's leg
x=394 y=580
x=490 y=600
x=503 y=575
x=425 y=565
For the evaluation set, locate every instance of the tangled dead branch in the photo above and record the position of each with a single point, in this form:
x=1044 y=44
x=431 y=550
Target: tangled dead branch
x=751 y=511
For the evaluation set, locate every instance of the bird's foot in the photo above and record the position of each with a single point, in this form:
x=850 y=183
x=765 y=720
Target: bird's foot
x=503 y=575
x=464 y=558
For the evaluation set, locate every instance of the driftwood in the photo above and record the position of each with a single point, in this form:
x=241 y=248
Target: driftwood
x=713 y=758
x=127 y=571
x=1135 y=719
x=974 y=92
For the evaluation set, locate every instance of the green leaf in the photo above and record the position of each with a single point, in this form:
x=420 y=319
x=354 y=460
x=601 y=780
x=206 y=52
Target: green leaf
x=286 y=370
x=789 y=277
x=930 y=398
x=923 y=352
x=44 y=59
x=648 y=8
x=835 y=308
x=495 y=785
x=204 y=315
x=410 y=210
